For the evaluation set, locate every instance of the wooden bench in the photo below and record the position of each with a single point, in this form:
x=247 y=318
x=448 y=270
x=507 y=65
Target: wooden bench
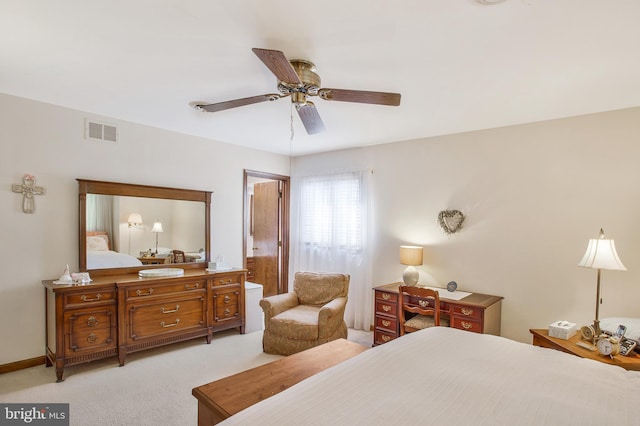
x=223 y=398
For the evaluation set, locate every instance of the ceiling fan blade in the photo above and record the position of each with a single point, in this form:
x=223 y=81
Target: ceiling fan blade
x=361 y=96
x=278 y=64
x=310 y=118
x=221 y=106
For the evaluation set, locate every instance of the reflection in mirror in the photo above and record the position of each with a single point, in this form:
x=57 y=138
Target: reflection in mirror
x=117 y=232
x=113 y=243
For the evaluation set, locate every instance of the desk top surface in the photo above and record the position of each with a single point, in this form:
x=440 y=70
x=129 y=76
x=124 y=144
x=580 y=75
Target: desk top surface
x=473 y=299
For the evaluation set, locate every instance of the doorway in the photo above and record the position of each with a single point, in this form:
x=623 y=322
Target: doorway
x=266 y=230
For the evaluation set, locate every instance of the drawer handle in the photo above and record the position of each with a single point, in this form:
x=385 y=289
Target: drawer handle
x=92 y=338
x=226 y=299
x=192 y=287
x=386 y=308
x=87 y=299
x=467 y=311
x=228 y=281
x=385 y=338
x=386 y=296
x=164 y=325
x=140 y=293
x=92 y=321
x=423 y=303
x=227 y=312
x=466 y=325
x=386 y=323
x=166 y=311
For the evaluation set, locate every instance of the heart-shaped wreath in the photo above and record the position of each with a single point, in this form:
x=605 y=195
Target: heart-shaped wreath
x=451 y=221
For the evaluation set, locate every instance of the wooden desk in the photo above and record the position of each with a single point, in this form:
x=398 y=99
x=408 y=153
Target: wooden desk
x=225 y=397
x=541 y=338
x=479 y=313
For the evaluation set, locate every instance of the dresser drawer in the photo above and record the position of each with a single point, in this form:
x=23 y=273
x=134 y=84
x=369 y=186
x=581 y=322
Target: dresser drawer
x=90 y=329
x=89 y=296
x=158 y=289
x=386 y=308
x=153 y=319
x=380 y=337
x=226 y=304
x=467 y=312
x=227 y=279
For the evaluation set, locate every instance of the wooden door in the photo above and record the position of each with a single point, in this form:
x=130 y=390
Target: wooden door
x=266 y=235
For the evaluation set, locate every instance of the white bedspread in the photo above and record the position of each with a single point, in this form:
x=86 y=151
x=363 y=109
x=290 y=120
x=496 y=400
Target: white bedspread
x=99 y=259
x=444 y=376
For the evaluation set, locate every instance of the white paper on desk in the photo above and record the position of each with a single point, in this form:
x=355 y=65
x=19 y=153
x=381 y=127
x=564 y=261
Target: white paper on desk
x=446 y=294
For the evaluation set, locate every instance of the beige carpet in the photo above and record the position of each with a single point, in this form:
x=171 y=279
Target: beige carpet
x=153 y=388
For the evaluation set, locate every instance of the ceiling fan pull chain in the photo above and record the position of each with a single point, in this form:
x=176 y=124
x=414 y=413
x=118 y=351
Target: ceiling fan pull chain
x=291 y=124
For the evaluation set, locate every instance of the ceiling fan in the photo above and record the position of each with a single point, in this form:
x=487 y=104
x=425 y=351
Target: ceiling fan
x=298 y=78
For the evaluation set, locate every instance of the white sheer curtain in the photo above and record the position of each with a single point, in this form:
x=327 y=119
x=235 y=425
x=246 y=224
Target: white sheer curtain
x=100 y=214
x=330 y=233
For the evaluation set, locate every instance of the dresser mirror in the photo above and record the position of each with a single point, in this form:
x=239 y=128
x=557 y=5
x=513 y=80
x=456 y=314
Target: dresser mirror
x=127 y=227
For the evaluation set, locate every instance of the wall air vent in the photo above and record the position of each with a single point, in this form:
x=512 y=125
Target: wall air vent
x=96 y=130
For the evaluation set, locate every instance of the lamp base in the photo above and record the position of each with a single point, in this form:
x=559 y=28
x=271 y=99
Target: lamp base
x=410 y=276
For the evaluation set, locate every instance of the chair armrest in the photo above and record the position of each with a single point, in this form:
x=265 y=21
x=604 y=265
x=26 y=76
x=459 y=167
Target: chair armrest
x=331 y=316
x=273 y=305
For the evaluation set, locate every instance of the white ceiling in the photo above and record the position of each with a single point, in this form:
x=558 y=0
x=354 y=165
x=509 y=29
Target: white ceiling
x=459 y=65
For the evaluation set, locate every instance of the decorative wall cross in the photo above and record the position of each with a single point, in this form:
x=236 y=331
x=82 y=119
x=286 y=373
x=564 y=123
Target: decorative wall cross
x=28 y=189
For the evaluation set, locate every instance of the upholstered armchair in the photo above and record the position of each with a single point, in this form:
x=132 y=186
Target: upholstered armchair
x=310 y=315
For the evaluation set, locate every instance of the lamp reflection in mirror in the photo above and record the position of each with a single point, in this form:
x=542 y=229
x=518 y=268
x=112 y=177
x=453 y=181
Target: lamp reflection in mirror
x=157 y=228
x=601 y=254
x=135 y=220
x=411 y=256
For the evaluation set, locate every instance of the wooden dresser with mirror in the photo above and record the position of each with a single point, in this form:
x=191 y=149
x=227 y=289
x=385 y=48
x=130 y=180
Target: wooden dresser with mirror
x=118 y=312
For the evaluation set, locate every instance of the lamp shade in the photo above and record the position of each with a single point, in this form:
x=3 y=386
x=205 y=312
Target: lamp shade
x=411 y=255
x=134 y=219
x=157 y=227
x=601 y=254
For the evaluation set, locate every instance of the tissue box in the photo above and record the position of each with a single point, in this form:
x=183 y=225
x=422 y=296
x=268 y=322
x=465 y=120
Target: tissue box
x=562 y=330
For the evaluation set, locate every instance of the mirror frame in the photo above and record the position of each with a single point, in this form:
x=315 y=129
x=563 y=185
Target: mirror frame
x=132 y=190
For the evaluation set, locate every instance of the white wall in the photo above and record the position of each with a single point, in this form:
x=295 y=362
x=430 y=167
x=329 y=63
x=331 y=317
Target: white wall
x=48 y=142
x=532 y=194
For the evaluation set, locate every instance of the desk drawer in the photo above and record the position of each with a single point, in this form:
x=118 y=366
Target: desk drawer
x=387 y=324
x=380 y=337
x=465 y=324
x=386 y=308
x=387 y=297
x=468 y=312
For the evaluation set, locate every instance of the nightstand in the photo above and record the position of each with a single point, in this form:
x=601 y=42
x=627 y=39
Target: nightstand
x=541 y=338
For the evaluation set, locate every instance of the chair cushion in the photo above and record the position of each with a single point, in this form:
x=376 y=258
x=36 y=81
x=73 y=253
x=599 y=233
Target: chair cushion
x=318 y=289
x=424 y=321
x=300 y=322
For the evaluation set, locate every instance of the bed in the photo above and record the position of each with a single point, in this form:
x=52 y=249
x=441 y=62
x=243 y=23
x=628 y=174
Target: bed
x=100 y=255
x=447 y=376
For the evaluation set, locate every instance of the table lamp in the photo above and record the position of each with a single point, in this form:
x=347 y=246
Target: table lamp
x=411 y=256
x=157 y=228
x=601 y=254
